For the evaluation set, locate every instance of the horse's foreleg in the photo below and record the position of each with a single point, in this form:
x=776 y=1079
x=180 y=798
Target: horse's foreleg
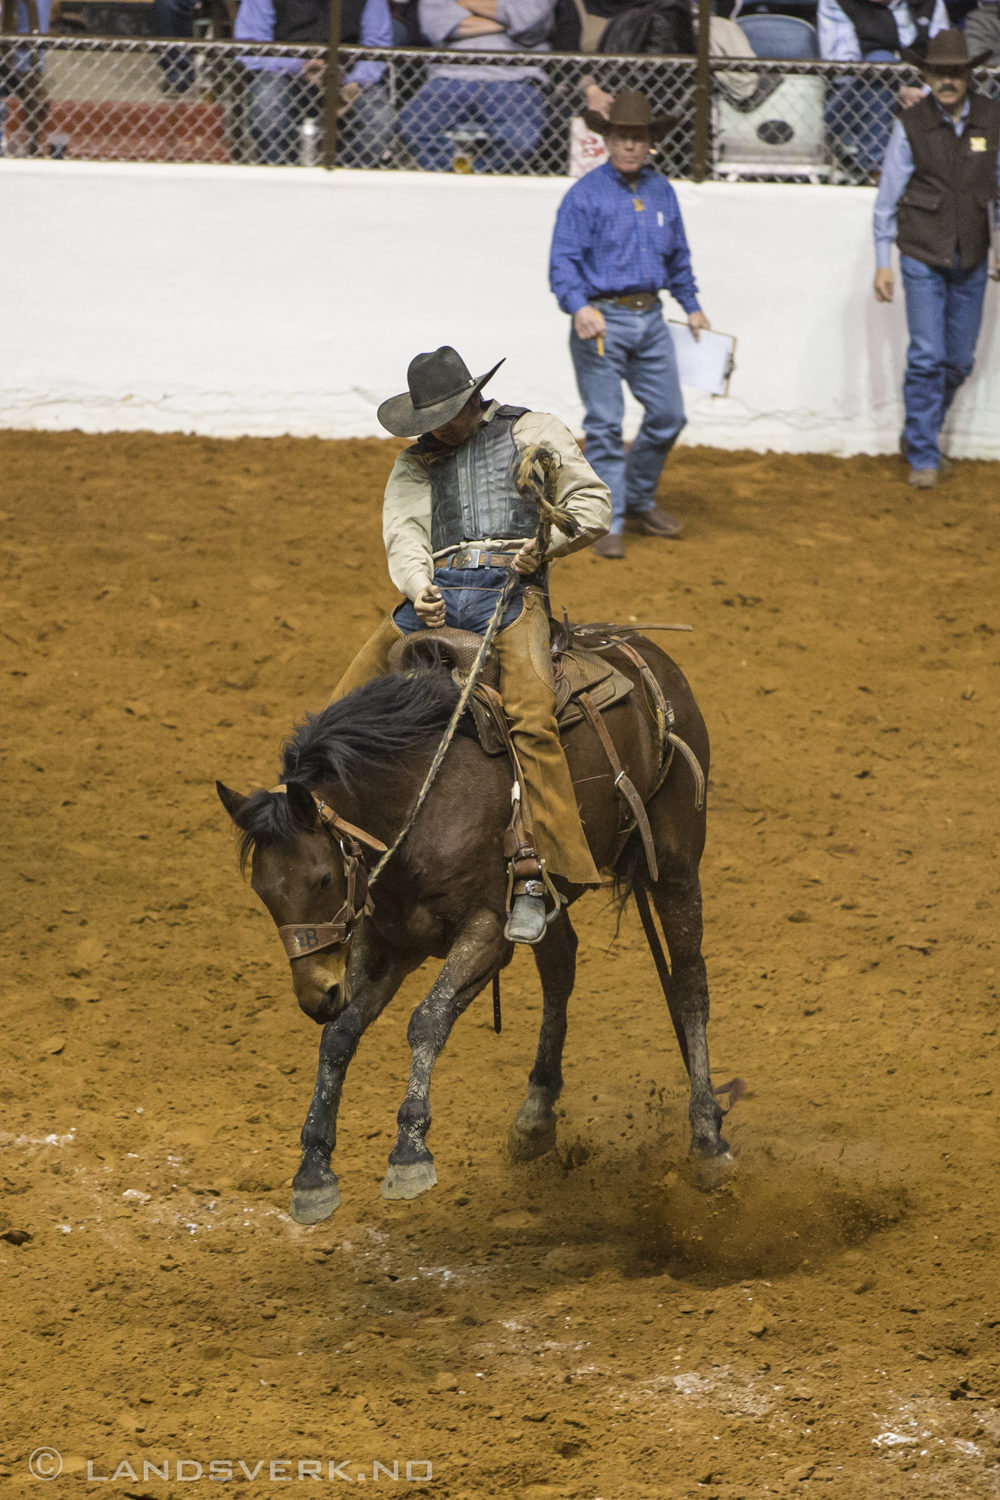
x=474 y=957
x=533 y=1131
x=315 y=1194
x=679 y=907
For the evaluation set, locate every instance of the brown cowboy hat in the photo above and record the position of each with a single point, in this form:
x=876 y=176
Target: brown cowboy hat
x=948 y=49
x=629 y=108
x=439 y=386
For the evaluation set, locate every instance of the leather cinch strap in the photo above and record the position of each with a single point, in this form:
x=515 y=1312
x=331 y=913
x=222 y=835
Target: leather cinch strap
x=664 y=715
x=622 y=782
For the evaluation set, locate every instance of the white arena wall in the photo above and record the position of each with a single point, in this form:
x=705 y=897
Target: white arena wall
x=230 y=300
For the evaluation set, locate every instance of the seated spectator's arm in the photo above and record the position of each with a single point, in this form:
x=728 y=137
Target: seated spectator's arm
x=254 y=21
x=527 y=22
x=441 y=21
x=838 y=40
x=478 y=26
x=982 y=34
x=597 y=100
x=376 y=31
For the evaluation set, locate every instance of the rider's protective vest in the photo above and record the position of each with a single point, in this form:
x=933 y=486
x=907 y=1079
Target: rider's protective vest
x=473 y=494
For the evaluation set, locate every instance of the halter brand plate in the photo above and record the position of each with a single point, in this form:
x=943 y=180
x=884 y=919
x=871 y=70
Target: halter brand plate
x=300 y=939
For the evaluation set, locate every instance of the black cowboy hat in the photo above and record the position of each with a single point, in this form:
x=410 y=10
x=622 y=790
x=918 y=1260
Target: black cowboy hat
x=629 y=108
x=948 y=49
x=439 y=386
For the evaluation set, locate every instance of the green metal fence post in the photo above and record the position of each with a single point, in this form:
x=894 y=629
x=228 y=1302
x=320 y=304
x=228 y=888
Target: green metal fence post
x=331 y=98
x=702 y=95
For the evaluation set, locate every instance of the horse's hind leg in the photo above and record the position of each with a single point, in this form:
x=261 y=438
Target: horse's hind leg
x=475 y=955
x=375 y=978
x=533 y=1131
x=679 y=906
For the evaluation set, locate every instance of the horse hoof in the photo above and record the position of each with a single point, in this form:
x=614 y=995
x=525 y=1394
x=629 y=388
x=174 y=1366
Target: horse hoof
x=528 y=1145
x=313 y=1205
x=408 y=1181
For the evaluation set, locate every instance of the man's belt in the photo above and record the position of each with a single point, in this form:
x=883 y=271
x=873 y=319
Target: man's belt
x=472 y=557
x=634 y=301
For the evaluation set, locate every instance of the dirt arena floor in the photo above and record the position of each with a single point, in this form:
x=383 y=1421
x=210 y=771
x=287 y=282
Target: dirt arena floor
x=591 y=1325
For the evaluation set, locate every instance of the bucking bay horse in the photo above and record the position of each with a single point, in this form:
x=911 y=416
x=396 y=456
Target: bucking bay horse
x=350 y=778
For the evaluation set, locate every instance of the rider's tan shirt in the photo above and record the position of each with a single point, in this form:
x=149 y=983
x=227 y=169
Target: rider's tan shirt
x=406 y=514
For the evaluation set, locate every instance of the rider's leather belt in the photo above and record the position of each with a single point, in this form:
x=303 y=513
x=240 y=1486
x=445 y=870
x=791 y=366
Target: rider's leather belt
x=634 y=301
x=471 y=557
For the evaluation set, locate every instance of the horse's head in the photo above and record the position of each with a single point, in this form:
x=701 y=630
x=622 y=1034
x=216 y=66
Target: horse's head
x=312 y=882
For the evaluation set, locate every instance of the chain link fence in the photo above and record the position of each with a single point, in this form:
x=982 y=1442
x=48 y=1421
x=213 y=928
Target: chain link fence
x=117 y=99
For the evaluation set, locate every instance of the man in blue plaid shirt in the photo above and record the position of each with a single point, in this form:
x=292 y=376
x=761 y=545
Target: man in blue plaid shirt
x=618 y=240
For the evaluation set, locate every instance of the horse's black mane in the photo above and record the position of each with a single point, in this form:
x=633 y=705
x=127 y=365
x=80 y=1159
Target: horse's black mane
x=371 y=727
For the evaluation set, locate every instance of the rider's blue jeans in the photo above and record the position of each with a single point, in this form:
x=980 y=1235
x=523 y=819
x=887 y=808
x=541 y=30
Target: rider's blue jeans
x=470 y=597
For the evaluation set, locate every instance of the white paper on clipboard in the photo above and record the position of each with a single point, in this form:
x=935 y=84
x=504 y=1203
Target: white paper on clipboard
x=705 y=363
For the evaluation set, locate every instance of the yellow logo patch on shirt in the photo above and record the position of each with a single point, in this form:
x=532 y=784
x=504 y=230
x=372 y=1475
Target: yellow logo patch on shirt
x=640 y=207
x=977 y=143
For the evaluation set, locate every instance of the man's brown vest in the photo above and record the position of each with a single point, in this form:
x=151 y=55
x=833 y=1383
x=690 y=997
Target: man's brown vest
x=945 y=207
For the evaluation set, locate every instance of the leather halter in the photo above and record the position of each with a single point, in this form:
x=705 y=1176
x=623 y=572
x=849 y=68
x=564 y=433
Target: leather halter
x=300 y=939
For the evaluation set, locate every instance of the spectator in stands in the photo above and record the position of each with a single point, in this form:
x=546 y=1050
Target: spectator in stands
x=287 y=91
x=982 y=31
x=492 y=116
x=938 y=201
x=405 y=25
x=859 y=114
x=175 y=18
x=618 y=240
x=22 y=78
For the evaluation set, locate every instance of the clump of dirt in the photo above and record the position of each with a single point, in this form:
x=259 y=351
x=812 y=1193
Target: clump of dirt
x=595 y=1323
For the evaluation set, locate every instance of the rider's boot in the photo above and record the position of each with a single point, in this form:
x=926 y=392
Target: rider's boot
x=526 y=923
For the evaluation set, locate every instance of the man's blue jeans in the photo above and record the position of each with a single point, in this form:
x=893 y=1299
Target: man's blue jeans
x=511 y=114
x=861 y=116
x=637 y=349
x=279 y=102
x=175 y=18
x=944 y=309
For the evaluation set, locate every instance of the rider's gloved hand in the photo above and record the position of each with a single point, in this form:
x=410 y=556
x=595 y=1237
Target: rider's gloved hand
x=429 y=605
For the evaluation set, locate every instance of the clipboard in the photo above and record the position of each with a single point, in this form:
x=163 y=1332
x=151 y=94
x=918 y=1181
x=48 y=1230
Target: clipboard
x=705 y=363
